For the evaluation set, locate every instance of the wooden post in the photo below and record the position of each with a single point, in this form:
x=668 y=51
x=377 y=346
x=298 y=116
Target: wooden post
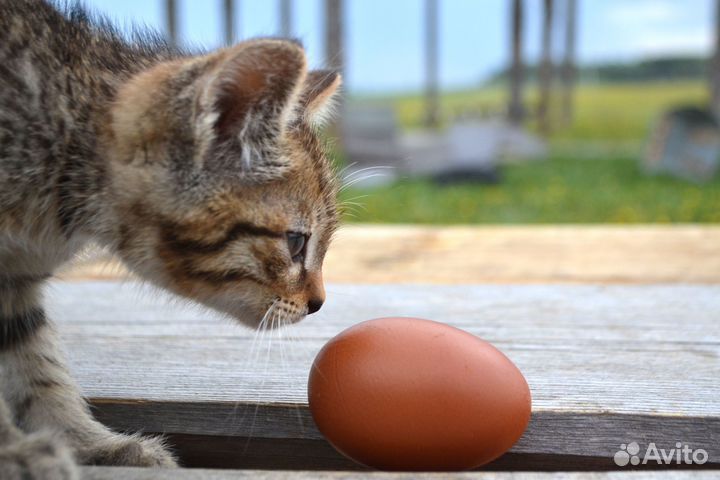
x=285 y=8
x=432 y=103
x=334 y=35
x=568 y=69
x=335 y=59
x=516 y=108
x=545 y=72
x=171 y=21
x=229 y=12
x=715 y=66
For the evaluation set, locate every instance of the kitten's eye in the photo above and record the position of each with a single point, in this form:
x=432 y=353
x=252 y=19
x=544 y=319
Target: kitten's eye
x=296 y=245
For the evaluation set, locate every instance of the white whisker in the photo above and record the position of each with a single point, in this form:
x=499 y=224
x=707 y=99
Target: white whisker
x=360 y=179
x=342 y=171
x=367 y=169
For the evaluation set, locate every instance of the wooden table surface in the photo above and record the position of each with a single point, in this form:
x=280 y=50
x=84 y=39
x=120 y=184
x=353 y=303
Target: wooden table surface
x=509 y=254
x=105 y=473
x=617 y=329
x=606 y=365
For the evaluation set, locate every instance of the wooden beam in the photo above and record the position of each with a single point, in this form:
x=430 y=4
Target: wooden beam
x=171 y=21
x=120 y=473
x=286 y=14
x=335 y=60
x=229 y=21
x=568 y=69
x=432 y=100
x=715 y=64
x=516 y=72
x=606 y=366
x=334 y=35
x=545 y=70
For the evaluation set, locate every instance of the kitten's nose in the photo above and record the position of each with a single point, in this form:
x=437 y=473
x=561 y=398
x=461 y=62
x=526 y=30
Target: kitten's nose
x=315 y=291
x=314 y=305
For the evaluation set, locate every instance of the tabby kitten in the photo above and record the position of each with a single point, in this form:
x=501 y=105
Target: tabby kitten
x=204 y=174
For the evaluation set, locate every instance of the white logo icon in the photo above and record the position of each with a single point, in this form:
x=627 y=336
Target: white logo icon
x=681 y=454
x=627 y=454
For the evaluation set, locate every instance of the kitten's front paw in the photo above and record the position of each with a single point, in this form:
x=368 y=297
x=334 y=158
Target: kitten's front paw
x=129 y=450
x=37 y=457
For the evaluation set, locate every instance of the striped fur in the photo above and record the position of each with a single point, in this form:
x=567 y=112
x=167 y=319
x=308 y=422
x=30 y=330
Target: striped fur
x=195 y=169
x=18 y=327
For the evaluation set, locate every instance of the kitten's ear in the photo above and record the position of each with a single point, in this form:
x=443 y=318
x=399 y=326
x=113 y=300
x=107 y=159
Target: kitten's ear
x=253 y=93
x=320 y=91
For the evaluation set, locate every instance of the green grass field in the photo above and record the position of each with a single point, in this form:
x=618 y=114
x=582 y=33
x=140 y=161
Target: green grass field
x=592 y=176
x=557 y=190
x=609 y=112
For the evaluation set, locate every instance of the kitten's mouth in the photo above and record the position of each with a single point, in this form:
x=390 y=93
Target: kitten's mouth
x=282 y=312
x=296 y=319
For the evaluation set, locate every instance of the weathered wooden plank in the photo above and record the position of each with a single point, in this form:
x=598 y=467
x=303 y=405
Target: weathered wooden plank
x=606 y=365
x=512 y=254
x=114 y=473
x=658 y=313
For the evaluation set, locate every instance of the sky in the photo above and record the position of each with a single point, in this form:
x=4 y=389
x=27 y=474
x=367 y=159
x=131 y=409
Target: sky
x=384 y=38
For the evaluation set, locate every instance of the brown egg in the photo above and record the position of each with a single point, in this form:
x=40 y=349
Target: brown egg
x=412 y=394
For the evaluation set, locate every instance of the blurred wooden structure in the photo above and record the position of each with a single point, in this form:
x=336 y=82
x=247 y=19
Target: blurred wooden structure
x=171 y=21
x=545 y=68
x=432 y=87
x=230 y=34
x=373 y=142
x=466 y=151
x=685 y=143
x=714 y=77
x=286 y=18
x=334 y=35
x=335 y=53
x=370 y=136
x=558 y=17
x=568 y=71
x=516 y=107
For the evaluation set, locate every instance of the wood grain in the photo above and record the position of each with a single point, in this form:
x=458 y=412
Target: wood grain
x=114 y=473
x=508 y=254
x=606 y=365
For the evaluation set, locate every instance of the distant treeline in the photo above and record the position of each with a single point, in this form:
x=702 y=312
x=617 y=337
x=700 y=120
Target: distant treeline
x=656 y=69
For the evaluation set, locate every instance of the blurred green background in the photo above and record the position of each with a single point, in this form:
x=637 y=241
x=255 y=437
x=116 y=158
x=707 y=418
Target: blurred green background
x=624 y=63
x=592 y=174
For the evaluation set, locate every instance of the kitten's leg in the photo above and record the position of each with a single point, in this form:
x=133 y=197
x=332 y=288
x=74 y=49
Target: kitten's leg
x=45 y=397
x=37 y=456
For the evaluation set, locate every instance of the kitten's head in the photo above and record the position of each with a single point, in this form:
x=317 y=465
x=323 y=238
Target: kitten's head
x=220 y=187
